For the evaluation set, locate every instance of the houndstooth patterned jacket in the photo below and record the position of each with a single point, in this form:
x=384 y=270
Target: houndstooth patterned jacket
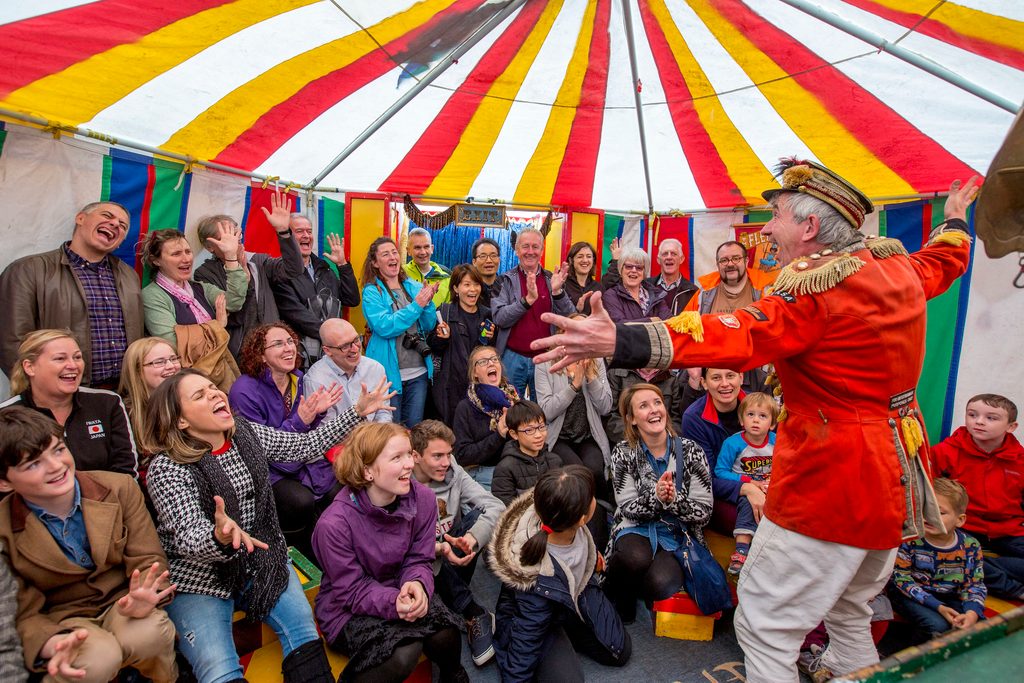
x=186 y=533
x=635 y=485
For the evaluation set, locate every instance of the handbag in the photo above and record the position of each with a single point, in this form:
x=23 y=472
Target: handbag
x=703 y=578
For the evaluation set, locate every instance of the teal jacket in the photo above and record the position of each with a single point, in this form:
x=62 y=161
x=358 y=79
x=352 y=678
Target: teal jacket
x=388 y=326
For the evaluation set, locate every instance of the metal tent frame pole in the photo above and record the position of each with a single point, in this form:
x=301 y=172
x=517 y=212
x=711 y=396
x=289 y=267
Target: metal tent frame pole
x=903 y=53
x=627 y=20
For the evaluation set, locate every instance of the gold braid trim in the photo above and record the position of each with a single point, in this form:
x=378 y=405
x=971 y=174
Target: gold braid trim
x=816 y=279
x=687 y=322
x=782 y=416
x=884 y=247
x=953 y=238
x=912 y=435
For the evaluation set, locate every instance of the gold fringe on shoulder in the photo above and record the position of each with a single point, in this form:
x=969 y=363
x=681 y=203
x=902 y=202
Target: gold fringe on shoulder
x=814 y=279
x=884 y=247
x=953 y=238
x=782 y=416
x=687 y=322
x=913 y=436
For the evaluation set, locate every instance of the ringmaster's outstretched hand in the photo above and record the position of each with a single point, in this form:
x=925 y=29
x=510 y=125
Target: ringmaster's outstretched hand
x=592 y=337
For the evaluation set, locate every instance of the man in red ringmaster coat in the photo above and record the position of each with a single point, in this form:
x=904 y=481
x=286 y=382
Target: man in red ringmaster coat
x=845 y=328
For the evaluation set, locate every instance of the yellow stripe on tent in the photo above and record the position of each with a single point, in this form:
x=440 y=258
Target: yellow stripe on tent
x=464 y=165
x=537 y=183
x=745 y=169
x=78 y=93
x=208 y=134
x=827 y=139
x=964 y=20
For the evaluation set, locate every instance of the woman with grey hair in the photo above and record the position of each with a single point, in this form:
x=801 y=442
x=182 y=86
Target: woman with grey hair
x=632 y=299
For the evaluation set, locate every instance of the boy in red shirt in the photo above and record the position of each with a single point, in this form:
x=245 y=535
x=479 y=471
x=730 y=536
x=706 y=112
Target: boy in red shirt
x=987 y=459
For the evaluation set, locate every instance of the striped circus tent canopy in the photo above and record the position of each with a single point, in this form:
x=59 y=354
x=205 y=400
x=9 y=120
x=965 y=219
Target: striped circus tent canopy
x=614 y=104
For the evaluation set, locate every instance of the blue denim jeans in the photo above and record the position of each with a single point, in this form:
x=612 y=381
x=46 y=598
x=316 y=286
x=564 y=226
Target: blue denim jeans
x=410 y=403
x=203 y=623
x=1004 y=575
x=483 y=475
x=745 y=523
x=519 y=370
x=926 y=619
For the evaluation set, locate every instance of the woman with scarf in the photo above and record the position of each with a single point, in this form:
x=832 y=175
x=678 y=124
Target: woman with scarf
x=218 y=524
x=269 y=392
x=176 y=305
x=480 y=431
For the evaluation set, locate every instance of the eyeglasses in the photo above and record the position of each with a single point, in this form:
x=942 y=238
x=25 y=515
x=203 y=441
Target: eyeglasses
x=726 y=260
x=345 y=346
x=480 y=362
x=162 y=362
x=633 y=266
x=488 y=257
x=279 y=344
x=530 y=431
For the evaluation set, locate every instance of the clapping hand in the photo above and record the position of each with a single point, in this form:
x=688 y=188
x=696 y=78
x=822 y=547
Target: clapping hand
x=531 y=288
x=426 y=293
x=318 y=402
x=666 y=488
x=558 y=279
x=336 y=250
x=581 y=305
x=227 y=531
x=220 y=306
x=280 y=212
x=370 y=402
x=144 y=594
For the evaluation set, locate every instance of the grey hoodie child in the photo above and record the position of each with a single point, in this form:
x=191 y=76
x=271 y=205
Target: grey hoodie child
x=456 y=496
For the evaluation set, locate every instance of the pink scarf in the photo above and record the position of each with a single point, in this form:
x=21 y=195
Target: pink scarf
x=184 y=295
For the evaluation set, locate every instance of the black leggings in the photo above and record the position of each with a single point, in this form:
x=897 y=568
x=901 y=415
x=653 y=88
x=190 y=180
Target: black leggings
x=634 y=572
x=443 y=648
x=588 y=454
x=297 y=511
x=560 y=663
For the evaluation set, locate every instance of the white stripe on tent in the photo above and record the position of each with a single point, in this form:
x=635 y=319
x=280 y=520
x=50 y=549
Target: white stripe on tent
x=11 y=11
x=710 y=230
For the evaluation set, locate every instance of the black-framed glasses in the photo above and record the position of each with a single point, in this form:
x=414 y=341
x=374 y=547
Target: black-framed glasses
x=354 y=344
x=480 y=362
x=726 y=260
x=530 y=431
x=488 y=257
x=279 y=344
x=162 y=362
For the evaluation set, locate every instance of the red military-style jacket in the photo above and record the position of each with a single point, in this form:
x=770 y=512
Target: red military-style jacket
x=846 y=333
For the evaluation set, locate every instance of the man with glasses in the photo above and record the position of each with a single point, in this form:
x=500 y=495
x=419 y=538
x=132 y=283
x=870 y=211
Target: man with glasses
x=671 y=260
x=487 y=260
x=344 y=364
x=80 y=286
x=734 y=289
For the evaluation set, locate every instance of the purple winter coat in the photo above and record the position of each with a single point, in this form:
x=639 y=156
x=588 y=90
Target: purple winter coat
x=367 y=554
x=259 y=400
x=623 y=308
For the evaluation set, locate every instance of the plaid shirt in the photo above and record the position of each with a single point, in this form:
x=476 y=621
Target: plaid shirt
x=106 y=319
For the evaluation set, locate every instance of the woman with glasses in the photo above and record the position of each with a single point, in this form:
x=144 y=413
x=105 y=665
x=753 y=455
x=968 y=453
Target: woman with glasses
x=633 y=299
x=462 y=325
x=269 y=392
x=480 y=429
x=581 y=284
x=147 y=363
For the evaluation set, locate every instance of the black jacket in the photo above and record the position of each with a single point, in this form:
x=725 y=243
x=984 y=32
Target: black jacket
x=260 y=303
x=305 y=304
x=451 y=376
x=518 y=472
x=575 y=291
x=475 y=443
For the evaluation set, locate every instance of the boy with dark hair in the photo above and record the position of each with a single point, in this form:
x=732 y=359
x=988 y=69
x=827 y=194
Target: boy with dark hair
x=86 y=558
x=526 y=455
x=988 y=460
x=938 y=581
x=467 y=515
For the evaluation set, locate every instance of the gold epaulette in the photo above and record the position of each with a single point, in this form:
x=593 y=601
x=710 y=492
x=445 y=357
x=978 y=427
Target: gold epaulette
x=952 y=237
x=687 y=322
x=817 y=273
x=884 y=247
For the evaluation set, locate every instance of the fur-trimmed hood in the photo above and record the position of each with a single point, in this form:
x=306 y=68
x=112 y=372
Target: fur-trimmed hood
x=517 y=524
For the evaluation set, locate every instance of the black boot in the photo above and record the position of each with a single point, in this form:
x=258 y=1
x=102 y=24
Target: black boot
x=307 y=664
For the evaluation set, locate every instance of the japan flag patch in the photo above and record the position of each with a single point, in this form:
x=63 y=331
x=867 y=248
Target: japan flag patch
x=730 y=321
x=95 y=429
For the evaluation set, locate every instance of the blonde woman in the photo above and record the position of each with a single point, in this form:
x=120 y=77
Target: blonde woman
x=147 y=363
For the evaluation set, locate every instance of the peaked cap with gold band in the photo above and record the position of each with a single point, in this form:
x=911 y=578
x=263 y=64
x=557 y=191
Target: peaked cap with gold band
x=819 y=182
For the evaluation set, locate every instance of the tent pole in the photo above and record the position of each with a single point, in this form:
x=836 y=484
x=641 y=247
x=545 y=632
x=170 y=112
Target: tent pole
x=906 y=55
x=627 y=21
x=427 y=79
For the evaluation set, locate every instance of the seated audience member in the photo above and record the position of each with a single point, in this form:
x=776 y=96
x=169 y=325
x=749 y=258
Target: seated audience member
x=642 y=561
x=270 y=392
x=466 y=515
x=463 y=325
x=217 y=523
x=376 y=603
x=345 y=365
x=677 y=288
x=619 y=379
x=12 y=663
x=746 y=457
x=260 y=306
x=524 y=294
x=689 y=386
x=734 y=289
x=192 y=316
x=79 y=286
x=708 y=422
x=88 y=603
x=580 y=284
x=634 y=299
x=574 y=401
x=399 y=314
x=480 y=429
x=487 y=259
x=938 y=583
x=551 y=606
x=147 y=363
x=47 y=378
x=424 y=271
x=307 y=301
x=988 y=460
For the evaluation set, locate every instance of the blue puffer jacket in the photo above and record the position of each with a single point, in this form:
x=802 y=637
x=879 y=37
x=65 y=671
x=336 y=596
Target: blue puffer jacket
x=700 y=424
x=535 y=600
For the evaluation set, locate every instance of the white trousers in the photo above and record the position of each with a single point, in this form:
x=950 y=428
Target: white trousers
x=789 y=584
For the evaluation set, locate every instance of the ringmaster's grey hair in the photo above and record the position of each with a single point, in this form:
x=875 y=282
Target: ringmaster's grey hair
x=835 y=231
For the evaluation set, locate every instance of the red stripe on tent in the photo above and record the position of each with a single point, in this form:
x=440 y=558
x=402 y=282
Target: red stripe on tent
x=892 y=139
x=574 y=185
x=285 y=119
x=424 y=161
x=940 y=31
x=709 y=170
x=44 y=45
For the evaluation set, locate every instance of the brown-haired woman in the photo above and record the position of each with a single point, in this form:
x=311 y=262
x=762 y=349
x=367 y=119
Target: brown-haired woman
x=641 y=561
x=218 y=525
x=463 y=325
x=582 y=260
x=376 y=544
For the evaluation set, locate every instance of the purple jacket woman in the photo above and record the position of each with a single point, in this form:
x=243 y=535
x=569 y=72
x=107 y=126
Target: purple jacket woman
x=623 y=308
x=367 y=554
